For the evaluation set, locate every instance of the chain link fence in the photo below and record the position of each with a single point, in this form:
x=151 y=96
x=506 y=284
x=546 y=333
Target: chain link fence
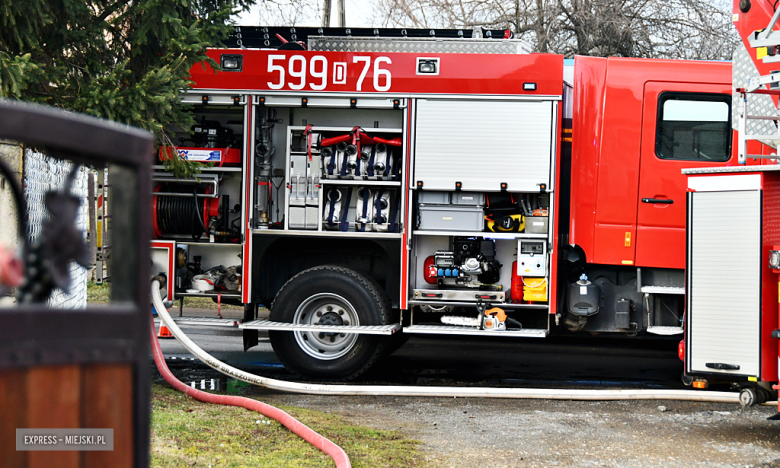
x=42 y=174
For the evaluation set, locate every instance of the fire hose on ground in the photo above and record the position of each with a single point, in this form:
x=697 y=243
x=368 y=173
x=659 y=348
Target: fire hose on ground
x=329 y=448
x=399 y=390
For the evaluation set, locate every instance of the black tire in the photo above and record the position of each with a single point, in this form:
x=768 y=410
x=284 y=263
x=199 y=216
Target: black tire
x=331 y=293
x=748 y=396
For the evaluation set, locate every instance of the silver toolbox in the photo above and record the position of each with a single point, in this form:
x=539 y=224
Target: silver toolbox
x=536 y=224
x=451 y=218
x=434 y=198
x=468 y=198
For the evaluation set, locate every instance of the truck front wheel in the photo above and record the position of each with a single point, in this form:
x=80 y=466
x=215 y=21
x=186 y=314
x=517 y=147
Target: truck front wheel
x=330 y=295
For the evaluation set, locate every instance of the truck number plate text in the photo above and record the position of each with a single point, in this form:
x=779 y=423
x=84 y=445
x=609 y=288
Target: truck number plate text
x=317 y=74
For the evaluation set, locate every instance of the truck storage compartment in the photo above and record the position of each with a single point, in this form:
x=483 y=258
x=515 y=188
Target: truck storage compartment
x=343 y=179
x=451 y=198
x=468 y=198
x=434 y=198
x=500 y=212
x=451 y=218
x=484 y=144
x=216 y=136
x=356 y=154
x=536 y=224
x=461 y=285
x=205 y=207
x=361 y=209
x=724 y=281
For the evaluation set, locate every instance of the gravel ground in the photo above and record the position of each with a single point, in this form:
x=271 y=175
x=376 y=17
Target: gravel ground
x=535 y=433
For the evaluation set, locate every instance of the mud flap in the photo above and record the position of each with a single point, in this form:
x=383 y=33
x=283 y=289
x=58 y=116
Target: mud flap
x=250 y=336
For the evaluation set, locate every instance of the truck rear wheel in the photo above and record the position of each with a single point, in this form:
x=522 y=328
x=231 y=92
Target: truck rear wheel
x=330 y=295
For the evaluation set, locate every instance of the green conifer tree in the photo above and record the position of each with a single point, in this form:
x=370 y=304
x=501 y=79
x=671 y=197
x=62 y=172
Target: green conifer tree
x=124 y=60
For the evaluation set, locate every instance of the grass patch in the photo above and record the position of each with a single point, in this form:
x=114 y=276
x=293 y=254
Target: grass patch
x=186 y=432
x=98 y=293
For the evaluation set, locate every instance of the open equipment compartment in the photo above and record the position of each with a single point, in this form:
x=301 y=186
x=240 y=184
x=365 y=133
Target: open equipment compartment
x=197 y=220
x=344 y=179
x=295 y=181
x=482 y=223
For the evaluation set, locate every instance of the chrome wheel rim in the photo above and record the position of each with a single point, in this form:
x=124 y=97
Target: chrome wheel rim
x=326 y=309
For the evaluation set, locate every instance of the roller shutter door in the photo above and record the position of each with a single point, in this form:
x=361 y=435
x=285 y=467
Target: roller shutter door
x=482 y=144
x=724 y=260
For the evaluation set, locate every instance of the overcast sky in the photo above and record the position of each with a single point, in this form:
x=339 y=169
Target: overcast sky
x=358 y=14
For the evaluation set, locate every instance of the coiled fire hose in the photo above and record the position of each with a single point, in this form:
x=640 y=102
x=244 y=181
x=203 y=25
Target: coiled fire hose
x=399 y=390
x=324 y=444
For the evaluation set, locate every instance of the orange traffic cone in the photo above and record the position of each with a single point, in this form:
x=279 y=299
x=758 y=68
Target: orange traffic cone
x=163 y=332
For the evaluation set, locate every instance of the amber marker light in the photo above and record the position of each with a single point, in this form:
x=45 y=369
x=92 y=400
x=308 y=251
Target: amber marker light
x=700 y=384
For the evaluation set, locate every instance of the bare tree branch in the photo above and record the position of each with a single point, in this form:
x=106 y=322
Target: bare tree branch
x=698 y=29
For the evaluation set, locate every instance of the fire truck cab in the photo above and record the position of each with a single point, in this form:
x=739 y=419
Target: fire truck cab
x=370 y=188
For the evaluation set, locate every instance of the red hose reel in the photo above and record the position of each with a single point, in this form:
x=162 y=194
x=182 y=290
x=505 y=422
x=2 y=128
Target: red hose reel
x=175 y=215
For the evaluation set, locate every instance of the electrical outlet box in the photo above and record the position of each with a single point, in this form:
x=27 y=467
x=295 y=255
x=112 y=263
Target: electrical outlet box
x=531 y=257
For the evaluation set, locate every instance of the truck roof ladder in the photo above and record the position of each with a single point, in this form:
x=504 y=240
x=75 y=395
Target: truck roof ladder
x=424 y=40
x=763 y=125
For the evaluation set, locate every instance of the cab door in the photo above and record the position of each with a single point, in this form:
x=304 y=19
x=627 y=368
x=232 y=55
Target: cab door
x=684 y=125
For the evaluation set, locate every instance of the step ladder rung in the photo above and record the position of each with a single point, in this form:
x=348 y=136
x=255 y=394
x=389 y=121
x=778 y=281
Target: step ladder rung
x=657 y=330
x=761 y=156
x=283 y=326
x=771 y=58
x=772 y=40
x=206 y=322
x=661 y=290
x=762 y=137
x=460 y=330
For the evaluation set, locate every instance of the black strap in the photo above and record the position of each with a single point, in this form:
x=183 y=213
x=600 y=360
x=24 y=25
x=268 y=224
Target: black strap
x=394 y=227
x=344 y=164
x=371 y=161
x=332 y=207
x=378 y=214
x=344 y=225
x=366 y=201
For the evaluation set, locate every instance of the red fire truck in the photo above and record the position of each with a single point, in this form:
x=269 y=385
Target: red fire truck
x=371 y=184
x=731 y=326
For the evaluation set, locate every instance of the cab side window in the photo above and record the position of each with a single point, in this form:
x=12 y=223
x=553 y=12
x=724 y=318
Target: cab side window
x=694 y=127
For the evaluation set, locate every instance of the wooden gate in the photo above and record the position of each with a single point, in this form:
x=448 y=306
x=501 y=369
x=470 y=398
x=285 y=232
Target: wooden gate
x=85 y=368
